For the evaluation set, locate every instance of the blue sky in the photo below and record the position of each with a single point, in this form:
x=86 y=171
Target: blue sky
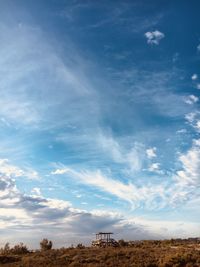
x=99 y=119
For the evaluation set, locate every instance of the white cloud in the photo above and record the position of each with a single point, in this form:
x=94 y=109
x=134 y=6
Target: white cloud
x=34 y=216
x=196 y=142
x=36 y=191
x=31 y=174
x=151 y=152
x=60 y=171
x=97 y=179
x=179 y=190
x=34 y=62
x=190 y=173
x=190 y=117
x=198 y=86
x=8 y=169
x=197 y=125
x=194 y=120
x=198 y=47
x=194 y=77
x=154 y=167
x=137 y=196
x=154 y=37
x=191 y=99
x=132 y=157
x=181 y=131
x=55 y=218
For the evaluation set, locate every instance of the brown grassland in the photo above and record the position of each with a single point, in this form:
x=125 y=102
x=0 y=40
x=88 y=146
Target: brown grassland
x=165 y=253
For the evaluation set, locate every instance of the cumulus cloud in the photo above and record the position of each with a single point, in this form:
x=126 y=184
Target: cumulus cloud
x=193 y=119
x=197 y=125
x=191 y=99
x=194 y=77
x=198 y=86
x=198 y=48
x=151 y=152
x=190 y=117
x=154 y=167
x=8 y=169
x=154 y=37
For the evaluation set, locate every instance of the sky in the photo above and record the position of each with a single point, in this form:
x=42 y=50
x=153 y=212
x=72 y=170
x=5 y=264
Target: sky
x=99 y=120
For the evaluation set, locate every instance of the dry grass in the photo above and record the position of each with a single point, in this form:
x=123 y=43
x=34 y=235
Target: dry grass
x=144 y=254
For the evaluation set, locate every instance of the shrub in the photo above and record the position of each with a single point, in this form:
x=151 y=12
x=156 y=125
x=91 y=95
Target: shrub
x=80 y=246
x=122 y=243
x=20 y=249
x=46 y=244
x=17 y=249
x=6 y=249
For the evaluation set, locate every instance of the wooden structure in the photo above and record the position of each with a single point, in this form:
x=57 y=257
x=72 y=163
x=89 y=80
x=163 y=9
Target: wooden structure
x=104 y=240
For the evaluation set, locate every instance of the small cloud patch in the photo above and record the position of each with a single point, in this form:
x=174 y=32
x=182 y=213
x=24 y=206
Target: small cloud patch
x=151 y=153
x=191 y=99
x=198 y=86
x=154 y=37
x=194 y=77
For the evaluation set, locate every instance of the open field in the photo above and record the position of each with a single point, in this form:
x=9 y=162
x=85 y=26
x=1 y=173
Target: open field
x=144 y=254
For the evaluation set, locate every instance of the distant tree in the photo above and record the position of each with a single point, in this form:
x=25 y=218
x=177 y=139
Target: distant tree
x=46 y=244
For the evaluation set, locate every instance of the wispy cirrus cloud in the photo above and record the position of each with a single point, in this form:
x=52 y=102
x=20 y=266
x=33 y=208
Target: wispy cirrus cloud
x=114 y=15
x=129 y=192
x=189 y=176
x=32 y=67
x=169 y=194
x=131 y=156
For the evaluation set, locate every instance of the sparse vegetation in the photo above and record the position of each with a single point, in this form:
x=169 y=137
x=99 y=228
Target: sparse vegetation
x=166 y=253
x=46 y=244
x=80 y=246
x=18 y=249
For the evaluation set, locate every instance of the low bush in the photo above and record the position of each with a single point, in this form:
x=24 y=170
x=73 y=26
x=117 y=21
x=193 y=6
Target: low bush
x=46 y=244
